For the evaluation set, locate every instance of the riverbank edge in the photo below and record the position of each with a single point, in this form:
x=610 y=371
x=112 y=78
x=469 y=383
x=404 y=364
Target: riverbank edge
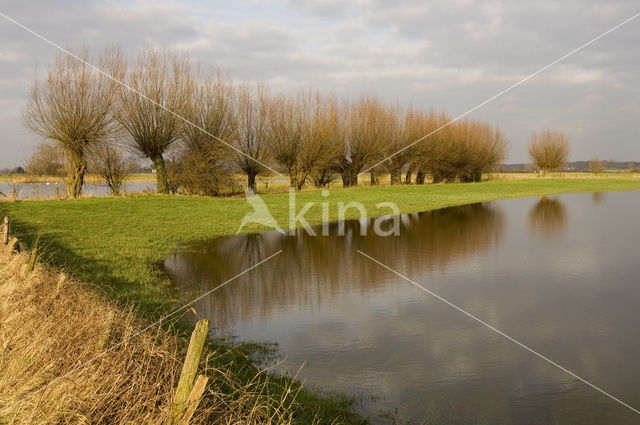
x=69 y=353
x=263 y=398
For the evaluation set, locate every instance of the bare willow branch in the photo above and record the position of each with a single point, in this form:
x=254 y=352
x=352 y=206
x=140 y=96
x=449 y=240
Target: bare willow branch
x=252 y=133
x=74 y=107
x=363 y=138
x=202 y=165
x=110 y=160
x=152 y=122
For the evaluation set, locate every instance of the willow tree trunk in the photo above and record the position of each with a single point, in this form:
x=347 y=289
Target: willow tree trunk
x=407 y=178
x=76 y=179
x=161 y=174
x=419 y=177
x=251 y=181
x=349 y=177
x=114 y=187
x=396 y=175
x=293 y=176
x=346 y=181
x=302 y=178
x=543 y=172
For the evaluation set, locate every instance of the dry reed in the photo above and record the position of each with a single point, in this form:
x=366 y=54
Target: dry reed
x=50 y=325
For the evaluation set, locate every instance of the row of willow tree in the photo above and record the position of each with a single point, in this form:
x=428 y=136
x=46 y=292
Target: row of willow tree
x=199 y=128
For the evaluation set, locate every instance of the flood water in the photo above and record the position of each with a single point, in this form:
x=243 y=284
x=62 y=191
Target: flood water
x=48 y=190
x=560 y=275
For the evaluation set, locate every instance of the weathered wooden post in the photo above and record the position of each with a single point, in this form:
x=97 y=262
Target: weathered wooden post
x=106 y=332
x=194 y=399
x=62 y=280
x=12 y=243
x=189 y=370
x=32 y=261
x=5 y=231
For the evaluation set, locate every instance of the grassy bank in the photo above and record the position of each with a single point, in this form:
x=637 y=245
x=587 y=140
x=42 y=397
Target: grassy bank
x=52 y=324
x=119 y=244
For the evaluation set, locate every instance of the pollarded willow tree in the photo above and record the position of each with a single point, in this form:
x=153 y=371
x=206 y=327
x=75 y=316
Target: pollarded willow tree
x=150 y=113
x=289 y=117
x=389 y=133
x=399 y=149
x=74 y=107
x=363 y=139
x=212 y=108
x=548 y=150
x=252 y=133
x=481 y=147
x=595 y=166
x=320 y=151
x=110 y=160
x=425 y=156
x=304 y=134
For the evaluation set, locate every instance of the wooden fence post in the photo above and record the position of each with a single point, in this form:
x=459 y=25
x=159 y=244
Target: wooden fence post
x=194 y=399
x=32 y=261
x=61 y=282
x=189 y=371
x=106 y=332
x=5 y=231
x=11 y=244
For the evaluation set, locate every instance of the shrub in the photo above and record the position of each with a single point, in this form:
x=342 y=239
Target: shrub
x=548 y=150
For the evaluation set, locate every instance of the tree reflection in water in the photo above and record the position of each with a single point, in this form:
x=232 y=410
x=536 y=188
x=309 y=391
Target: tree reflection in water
x=316 y=269
x=548 y=217
x=598 y=197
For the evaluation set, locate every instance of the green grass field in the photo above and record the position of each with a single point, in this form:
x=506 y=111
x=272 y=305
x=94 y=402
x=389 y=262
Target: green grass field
x=119 y=244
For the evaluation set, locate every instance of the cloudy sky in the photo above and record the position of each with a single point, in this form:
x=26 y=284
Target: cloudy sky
x=446 y=54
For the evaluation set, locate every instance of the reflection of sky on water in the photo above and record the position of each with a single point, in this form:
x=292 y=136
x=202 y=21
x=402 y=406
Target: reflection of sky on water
x=560 y=278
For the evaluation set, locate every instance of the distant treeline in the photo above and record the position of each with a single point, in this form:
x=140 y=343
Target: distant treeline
x=12 y=170
x=577 y=166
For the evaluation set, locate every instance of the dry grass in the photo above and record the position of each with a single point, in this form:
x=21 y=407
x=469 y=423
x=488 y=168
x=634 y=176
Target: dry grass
x=49 y=326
